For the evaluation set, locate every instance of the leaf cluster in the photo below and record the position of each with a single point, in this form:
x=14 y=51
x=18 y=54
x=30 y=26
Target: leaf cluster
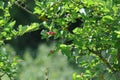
x=94 y=43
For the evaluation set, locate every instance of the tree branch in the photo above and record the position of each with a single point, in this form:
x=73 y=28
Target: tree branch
x=30 y=12
x=103 y=59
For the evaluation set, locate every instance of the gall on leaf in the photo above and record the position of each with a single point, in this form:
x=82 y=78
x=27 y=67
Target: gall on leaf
x=51 y=51
x=50 y=33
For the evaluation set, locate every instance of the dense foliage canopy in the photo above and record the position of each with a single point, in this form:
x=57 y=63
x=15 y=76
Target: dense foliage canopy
x=86 y=31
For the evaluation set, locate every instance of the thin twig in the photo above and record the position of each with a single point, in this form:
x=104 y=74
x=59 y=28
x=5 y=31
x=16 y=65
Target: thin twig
x=46 y=74
x=30 y=12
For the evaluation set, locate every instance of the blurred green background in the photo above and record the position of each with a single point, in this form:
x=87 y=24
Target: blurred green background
x=56 y=66
x=35 y=69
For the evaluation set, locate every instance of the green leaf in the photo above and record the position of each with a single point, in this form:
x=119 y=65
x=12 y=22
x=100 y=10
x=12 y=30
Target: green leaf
x=8 y=38
x=105 y=18
x=6 y=29
x=63 y=46
x=77 y=30
x=32 y=27
x=37 y=10
x=21 y=29
x=1 y=23
x=11 y=24
x=1 y=64
x=4 y=34
x=118 y=32
x=74 y=76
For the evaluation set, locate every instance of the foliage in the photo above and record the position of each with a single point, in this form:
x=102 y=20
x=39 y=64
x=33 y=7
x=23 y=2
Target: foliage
x=8 y=62
x=7 y=24
x=7 y=32
x=95 y=42
x=87 y=32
